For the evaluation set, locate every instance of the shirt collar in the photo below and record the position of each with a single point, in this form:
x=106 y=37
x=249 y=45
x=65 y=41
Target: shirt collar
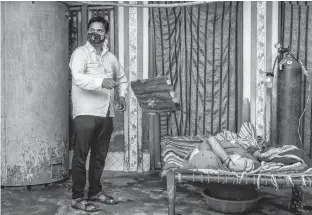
x=92 y=49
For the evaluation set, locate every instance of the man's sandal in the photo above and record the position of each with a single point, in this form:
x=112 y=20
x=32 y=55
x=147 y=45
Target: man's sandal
x=102 y=198
x=83 y=205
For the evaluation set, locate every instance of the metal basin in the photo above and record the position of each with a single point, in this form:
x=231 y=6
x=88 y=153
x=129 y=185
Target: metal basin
x=227 y=198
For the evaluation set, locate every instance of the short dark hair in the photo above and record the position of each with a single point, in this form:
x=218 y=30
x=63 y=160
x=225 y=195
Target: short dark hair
x=101 y=20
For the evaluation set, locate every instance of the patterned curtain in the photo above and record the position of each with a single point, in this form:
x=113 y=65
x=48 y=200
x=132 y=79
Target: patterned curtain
x=196 y=47
x=296 y=31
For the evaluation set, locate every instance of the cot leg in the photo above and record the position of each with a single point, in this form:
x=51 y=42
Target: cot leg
x=296 y=202
x=171 y=189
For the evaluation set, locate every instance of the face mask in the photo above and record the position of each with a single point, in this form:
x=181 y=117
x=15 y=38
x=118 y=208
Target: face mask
x=95 y=38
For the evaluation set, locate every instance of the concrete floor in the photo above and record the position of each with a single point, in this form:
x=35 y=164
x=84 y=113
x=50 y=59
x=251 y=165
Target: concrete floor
x=137 y=194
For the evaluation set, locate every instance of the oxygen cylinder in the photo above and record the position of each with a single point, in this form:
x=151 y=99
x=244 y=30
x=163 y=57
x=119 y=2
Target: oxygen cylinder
x=289 y=101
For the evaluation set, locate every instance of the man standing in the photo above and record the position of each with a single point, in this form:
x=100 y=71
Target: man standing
x=95 y=72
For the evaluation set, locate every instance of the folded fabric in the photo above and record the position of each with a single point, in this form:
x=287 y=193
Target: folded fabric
x=181 y=146
x=155 y=94
x=247 y=136
x=181 y=152
x=174 y=150
x=281 y=168
x=287 y=154
x=180 y=141
x=226 y=135
x=174 y=155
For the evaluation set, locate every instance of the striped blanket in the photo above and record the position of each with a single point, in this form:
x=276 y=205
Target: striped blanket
x=174 y=150
x=281 y=160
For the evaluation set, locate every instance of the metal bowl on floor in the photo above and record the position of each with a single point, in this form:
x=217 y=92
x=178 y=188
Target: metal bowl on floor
x=227 y=198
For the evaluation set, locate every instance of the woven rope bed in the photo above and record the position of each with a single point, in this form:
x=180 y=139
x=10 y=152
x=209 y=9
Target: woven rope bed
x=295 y=175
x=271 y=172
x=296 y=181
x=276 y=180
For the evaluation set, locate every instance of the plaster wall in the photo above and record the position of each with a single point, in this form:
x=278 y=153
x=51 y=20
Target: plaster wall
x=34 y=93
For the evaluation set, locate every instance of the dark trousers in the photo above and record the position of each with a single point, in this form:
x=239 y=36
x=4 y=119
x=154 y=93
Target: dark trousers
x=90 y=132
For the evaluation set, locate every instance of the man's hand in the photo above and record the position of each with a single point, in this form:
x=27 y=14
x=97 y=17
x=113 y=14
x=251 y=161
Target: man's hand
x=122 y=104
x=108 y=83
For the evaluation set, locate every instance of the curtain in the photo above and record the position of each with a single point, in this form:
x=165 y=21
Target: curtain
x=296 y=31
x=196 y=48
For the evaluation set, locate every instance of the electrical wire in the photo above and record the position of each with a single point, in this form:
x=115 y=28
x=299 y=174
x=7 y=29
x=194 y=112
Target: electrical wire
x=275 y=61
x=309 y=91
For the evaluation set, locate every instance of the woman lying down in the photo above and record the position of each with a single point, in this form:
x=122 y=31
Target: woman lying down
x=231 y=156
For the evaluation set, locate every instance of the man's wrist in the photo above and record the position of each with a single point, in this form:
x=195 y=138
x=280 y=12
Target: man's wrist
x=122 y=94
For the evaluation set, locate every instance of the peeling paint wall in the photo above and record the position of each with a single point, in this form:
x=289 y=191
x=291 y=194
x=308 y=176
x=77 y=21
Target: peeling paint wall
x=34 y=92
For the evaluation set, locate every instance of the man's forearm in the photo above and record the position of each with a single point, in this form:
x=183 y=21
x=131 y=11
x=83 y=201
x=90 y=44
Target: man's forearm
x=123 y=89
x=86 y=82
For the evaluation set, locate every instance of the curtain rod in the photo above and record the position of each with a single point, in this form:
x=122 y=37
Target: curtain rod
x=99 y=3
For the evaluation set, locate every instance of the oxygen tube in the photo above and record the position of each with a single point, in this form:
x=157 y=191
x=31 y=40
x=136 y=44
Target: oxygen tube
x=305 y=72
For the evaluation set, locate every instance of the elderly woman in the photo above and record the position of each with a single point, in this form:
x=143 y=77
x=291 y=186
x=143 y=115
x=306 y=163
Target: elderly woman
x=212 y=154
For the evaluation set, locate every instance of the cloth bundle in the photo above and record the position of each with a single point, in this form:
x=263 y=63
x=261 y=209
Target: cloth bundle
x=155 y=94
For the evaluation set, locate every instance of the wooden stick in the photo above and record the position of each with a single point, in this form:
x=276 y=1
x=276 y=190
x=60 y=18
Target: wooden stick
x=103 y=3
x=157 y=140
x=171 y=191
x=197 y=177
x=152 y=140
